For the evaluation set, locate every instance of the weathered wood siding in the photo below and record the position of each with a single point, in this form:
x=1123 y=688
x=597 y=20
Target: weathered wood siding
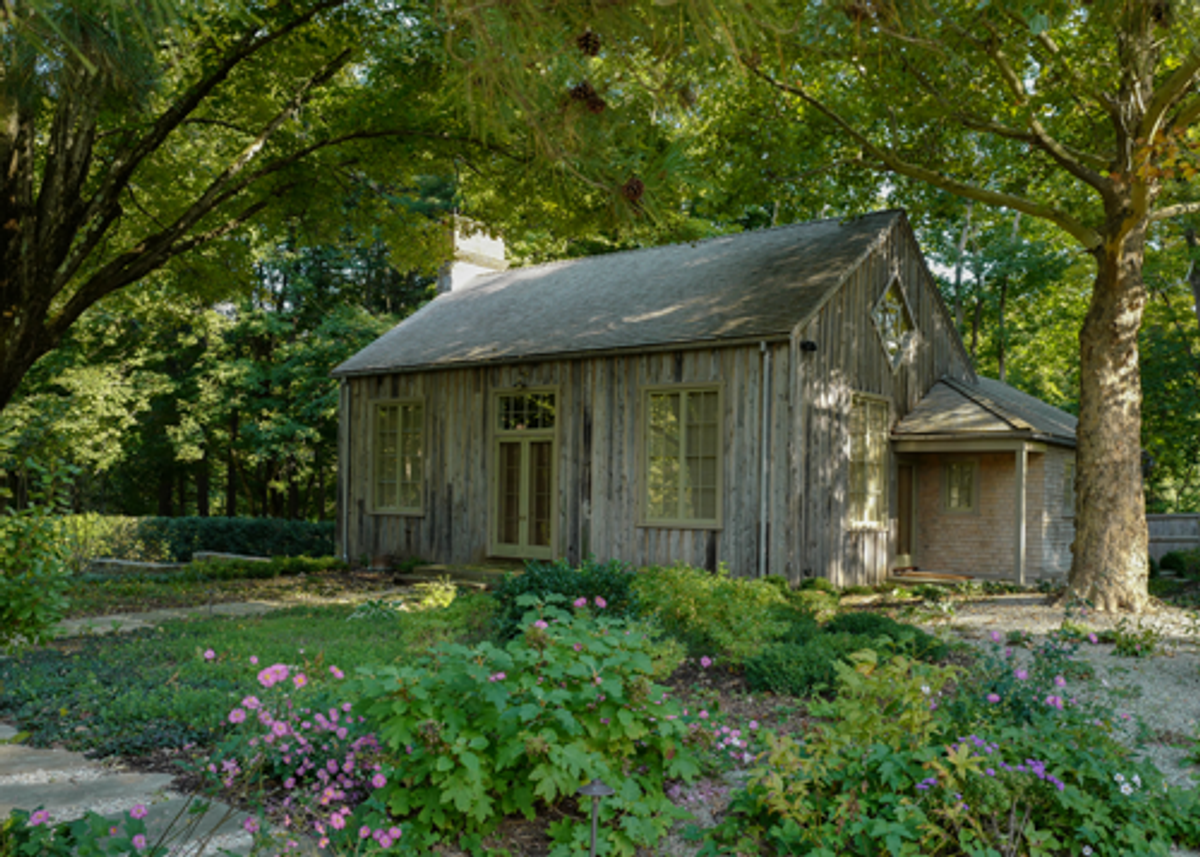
x=850 y=359
x=598 y=466
x=1173 y=533
x=599 y=482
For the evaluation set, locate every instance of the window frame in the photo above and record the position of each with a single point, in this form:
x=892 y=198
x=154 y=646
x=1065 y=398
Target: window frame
x=947 y=464
x=372 y=442
x=498 y=436
x=910 y=342
x=1069 y=499
x=884 y=523
x=643 y=464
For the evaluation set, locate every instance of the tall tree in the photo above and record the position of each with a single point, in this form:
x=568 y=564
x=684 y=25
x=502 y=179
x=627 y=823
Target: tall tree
x=1080 y=115
x=143 y=136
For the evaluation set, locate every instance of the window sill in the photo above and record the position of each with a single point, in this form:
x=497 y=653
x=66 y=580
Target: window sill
x=679 y=525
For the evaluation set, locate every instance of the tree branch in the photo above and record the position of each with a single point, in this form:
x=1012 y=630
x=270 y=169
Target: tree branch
x=1083 y=234
x=1187 y=114
x=1171 y=90
x=102 y=209
x=1177 y=210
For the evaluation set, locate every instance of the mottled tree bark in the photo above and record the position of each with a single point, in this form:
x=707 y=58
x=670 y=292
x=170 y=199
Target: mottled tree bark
x=1110 y=563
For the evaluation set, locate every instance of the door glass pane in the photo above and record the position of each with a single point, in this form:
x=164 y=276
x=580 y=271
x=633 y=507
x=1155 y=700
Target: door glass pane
x=540 y=483
x=526 y=411
x=702 y=446
x=509 y=523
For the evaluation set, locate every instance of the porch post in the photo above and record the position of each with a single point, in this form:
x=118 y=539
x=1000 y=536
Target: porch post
x=1019 y=512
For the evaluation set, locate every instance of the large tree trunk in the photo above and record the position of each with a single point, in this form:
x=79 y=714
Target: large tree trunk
x=1110 y=564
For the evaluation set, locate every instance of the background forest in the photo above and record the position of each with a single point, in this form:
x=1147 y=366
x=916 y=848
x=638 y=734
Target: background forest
x=200 y=387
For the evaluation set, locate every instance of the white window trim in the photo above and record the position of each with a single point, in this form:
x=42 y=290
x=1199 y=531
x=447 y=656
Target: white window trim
x=885 y=524
x=975 y=486
x=643 y=462
x=372 y=439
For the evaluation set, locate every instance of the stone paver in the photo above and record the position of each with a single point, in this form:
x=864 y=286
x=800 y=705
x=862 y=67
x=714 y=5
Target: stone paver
x=68 y=785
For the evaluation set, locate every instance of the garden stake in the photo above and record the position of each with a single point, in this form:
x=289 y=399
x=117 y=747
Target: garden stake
x=596 y=789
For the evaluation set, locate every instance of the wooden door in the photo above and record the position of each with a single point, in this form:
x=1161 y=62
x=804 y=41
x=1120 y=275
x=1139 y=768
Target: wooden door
x=906 y=475
x=525 y=484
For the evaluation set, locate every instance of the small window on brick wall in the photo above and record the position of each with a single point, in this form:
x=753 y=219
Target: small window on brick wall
x=962 y=482
x=1068 y=506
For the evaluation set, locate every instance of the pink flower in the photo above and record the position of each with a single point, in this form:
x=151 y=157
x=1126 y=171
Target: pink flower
x=379 y=781
x=250 y=825
x=540 y=623
x=997 y=636
x=497 y=677
x=299 y=680
x=338 y=822
x=753 y=724
x=1021 y=675
x=279 y=728
x=251 y=702
x=254 y=659
x=385 y=842
x=581 y=602
x=703 y=715
x=364 y=832
x=993 y=697
x=600 y=602
x=237 y=716
x=1059 y=681
x=138 y=811
x=139 y=842
x=40 y=817
x=336 y=673
x=209 y=654
x=394 y=832
x=706 y=662
x=1093 y=639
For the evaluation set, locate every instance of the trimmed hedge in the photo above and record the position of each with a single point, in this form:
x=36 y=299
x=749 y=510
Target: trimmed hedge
x=1183 y=563
x=175 y=539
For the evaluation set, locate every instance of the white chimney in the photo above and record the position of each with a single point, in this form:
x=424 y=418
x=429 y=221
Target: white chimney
x=475 y=252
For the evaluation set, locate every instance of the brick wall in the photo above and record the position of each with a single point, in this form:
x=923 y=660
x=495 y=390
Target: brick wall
x=1058 y=522
x=982 y=542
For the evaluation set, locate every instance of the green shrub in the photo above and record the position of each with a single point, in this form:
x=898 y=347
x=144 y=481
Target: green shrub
x=798 y=670
x=92 y=536
x=181 y=537
x=1183 y=563
x=487 y=732
x=908 y=639
x=801 y=629
x=34 y=574
x=612 y=581
x=1155 y=568
x=713 y=613
x=821 y=584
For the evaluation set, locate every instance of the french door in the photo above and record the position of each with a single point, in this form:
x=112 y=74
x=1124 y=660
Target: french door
x=523 y=508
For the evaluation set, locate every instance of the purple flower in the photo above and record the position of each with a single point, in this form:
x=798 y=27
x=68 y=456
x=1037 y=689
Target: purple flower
x=581 y=602
x=40 y=817
x=993 y=697
x=279 y=728
x=299 y=679
x=706 y=662
x=1093 y=639
x=254 y=659
x=600 y=602
x=250 y=825
x=139 y=811
x=364 y=832
x=1059 y=681
x=336 y=673
x=540 y=623
x=251 y=702
x=209 y=654
x=237 y=716
x=379 y=781
x=1021 y=675
x=997 y=636
x=497 y=677
x=139 y=842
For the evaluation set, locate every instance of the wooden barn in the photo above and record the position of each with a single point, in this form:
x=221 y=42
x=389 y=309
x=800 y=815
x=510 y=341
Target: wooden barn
x=739 y=400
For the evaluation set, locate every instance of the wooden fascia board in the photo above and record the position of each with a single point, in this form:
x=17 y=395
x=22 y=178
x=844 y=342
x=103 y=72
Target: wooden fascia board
x=504 y=360
x=945 y=443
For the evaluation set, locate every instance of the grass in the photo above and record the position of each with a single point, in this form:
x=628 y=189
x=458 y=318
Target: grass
x=103 y=595
x=136 y=693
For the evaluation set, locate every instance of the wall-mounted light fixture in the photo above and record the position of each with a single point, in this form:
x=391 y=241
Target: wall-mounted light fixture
x=808 y=346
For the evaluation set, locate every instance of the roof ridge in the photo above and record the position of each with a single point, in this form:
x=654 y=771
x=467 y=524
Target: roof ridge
x=692 y=243
x=988 y=403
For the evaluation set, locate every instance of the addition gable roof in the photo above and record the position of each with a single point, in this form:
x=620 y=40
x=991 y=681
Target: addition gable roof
x=746 y=286
x=986 y=408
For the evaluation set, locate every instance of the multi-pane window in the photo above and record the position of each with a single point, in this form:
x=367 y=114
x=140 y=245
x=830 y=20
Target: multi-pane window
x=868 y=461
x=1068 y=488
x=398 y=446
x=683 y=456
x=894 y=323
x=526 y=411
x=960 y=486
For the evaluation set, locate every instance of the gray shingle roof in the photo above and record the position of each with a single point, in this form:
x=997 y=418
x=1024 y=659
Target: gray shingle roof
x=987 y=407
x=743 y=286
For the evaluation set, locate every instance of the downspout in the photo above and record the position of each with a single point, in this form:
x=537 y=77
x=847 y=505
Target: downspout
x=764 y=438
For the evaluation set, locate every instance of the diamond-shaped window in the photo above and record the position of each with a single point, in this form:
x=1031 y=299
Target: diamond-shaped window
x=894 y=322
